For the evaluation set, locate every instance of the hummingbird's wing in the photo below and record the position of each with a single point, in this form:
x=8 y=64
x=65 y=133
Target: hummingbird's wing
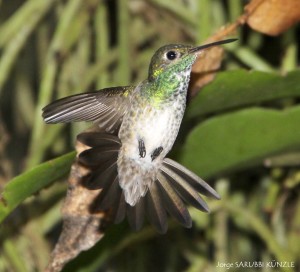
x=174 y=188
x=106 y=108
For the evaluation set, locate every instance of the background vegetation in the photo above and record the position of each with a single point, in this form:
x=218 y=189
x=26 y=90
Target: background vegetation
x=241 y=132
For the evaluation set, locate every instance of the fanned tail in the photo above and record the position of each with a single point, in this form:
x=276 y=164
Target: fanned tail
x=136 y=214
x=174 y=187
x=155 y=209
x=191 y=178
x=101 y=158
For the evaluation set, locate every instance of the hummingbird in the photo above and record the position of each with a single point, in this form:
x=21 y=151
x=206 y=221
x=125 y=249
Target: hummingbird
x=136 y=128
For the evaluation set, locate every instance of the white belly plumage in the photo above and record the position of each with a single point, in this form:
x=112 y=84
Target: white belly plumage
x=152 y=129
x=155 y=133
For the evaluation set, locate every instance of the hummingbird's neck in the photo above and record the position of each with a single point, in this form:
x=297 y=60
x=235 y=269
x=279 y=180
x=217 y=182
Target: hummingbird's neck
x=166 y=87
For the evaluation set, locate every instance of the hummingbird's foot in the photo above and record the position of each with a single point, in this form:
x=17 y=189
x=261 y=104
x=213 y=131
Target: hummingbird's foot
x=142 y=148
x=156 y=152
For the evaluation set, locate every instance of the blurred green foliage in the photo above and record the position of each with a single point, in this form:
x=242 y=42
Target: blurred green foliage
x=241 y=131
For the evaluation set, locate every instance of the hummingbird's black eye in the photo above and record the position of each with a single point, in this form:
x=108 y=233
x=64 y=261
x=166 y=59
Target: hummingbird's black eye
x=171 y=55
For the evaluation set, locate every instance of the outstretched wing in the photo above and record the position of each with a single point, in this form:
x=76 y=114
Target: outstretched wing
x=106 y=108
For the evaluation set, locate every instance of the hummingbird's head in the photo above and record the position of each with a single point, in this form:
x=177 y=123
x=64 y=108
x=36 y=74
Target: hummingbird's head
x=177 y=57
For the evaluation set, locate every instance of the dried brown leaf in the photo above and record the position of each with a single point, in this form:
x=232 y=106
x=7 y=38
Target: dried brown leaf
x=82 y=226
x=209 y=61
x=273 y=17
x=268 y=16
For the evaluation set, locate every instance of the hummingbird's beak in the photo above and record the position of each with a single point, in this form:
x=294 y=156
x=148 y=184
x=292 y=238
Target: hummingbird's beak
x=201 y=47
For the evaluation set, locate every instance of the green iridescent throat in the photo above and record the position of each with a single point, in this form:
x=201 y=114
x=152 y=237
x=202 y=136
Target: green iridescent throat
x=165 y=82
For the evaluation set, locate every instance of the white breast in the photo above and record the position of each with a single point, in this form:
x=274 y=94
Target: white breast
x=153 y=132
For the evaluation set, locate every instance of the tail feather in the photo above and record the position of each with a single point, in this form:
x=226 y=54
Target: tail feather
x=119 y=211
x=109 y=196
x=173 y=202
x=135 y=215
x=199 y=184
x=98 y=155
x=166 y=192
x=101 y=178
x=155 y=209
x=186 y=191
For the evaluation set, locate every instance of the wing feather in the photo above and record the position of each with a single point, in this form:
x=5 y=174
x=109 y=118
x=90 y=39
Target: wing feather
x=97 y=139
x=106 y=108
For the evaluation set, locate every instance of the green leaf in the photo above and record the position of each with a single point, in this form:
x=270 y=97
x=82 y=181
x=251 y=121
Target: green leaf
x=25 y=185
x=241 y=139
x=241 y=88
